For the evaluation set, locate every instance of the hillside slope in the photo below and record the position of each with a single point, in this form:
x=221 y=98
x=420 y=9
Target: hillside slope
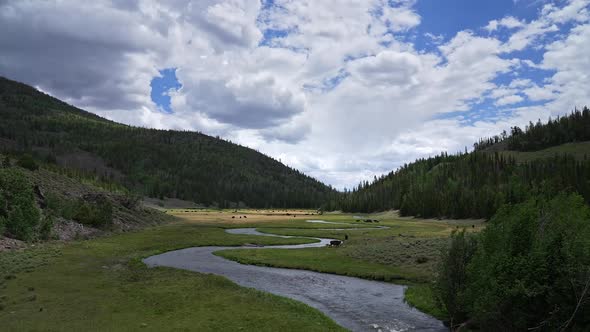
x=40 y=202
x=578 y=150
x=500 y=170
x=156 y=163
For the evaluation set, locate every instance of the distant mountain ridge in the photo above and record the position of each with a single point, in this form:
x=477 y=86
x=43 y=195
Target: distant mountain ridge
x=156 y=163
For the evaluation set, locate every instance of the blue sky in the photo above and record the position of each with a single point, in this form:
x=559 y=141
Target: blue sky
x=340 y=89
x=162 y=86
x=439 y=19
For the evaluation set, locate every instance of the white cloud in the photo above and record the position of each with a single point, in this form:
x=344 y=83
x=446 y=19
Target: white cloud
x=508 y=22
x=388 y=68
x=537 y=93
x=549 y=20
x=340 y=92
x=436 y=39
x=507 y=100
x=570 y=58
x=400 y=18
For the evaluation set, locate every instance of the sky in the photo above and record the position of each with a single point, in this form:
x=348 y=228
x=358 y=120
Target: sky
x=343 y=90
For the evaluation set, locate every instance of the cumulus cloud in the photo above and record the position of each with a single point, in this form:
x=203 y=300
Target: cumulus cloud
x=337 y=88
x=76 y=51
x=507 y=100
x=400 y=18
x=549 y=21
x=509 y=22
x=387 y=68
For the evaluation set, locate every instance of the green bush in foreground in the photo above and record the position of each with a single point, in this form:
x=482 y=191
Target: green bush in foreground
x=19 y=215
x=451 y=282
x=530 y=271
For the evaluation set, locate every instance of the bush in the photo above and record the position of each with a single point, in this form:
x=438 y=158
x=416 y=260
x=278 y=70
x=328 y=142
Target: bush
x=451 y=281
x=6 y=162
x=2 y=225
x=19 y=215
x=28 y=162
x=98 y=213
x=532 y=267
x=61 y=206
x=46 y=227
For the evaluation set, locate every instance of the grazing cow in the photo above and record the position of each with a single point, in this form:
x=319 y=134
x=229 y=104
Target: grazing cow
x=245 y=217
x=368 y=220
x=233 y=217
x=335 y=243
x=375 y=220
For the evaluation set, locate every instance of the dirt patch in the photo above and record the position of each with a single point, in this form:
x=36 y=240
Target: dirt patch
x=89 y=162
x=10 y=244
x=169 y=203
x=67 y=230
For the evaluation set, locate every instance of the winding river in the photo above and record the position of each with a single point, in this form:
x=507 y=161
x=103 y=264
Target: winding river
x=356 y=304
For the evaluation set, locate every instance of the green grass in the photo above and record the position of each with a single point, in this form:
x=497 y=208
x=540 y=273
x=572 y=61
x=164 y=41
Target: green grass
x=406 y=253
x=579 y=150
x=102 y=285
x=326 y=260
x=421 y=297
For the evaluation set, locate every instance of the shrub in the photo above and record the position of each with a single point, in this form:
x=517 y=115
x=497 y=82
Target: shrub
x=46 y=227
x=532 y=267
x=451 y=280
x=28 y=162
x=6 y=162
x=19 y=215
x=98 y=213
x=93 y=211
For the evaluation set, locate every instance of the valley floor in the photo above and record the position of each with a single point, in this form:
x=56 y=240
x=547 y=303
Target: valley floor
x=102 y=284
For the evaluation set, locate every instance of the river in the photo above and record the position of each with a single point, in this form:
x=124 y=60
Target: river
x=356 y=304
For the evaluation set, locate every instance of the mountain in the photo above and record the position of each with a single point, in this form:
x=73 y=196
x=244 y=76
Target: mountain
x=156 y=163
x=542 y=158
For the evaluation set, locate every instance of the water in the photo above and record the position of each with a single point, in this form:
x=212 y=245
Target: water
x=326 y=222
x=356 y=304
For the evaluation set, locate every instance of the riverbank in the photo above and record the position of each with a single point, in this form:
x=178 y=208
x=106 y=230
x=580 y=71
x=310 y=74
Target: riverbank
x=354 y=303
x=101 y=284
x=405 y=252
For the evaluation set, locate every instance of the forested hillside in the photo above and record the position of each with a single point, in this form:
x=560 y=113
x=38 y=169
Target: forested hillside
x=476 y=184
x=538 y=136
x=156 y=163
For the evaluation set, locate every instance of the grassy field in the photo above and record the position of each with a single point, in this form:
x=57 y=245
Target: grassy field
x=405 y=253
x=579 y=150
x=102 y=285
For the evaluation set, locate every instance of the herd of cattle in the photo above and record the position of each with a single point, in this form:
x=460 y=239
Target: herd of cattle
x=337 y=243
x=367 y=220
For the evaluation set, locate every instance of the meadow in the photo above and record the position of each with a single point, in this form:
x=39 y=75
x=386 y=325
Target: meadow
x=407 y=252
x=101 y=284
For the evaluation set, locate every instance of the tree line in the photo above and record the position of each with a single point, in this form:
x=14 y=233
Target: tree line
x=537 y=136
x=476 y=184
x=156 y=163
x=529 y=270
